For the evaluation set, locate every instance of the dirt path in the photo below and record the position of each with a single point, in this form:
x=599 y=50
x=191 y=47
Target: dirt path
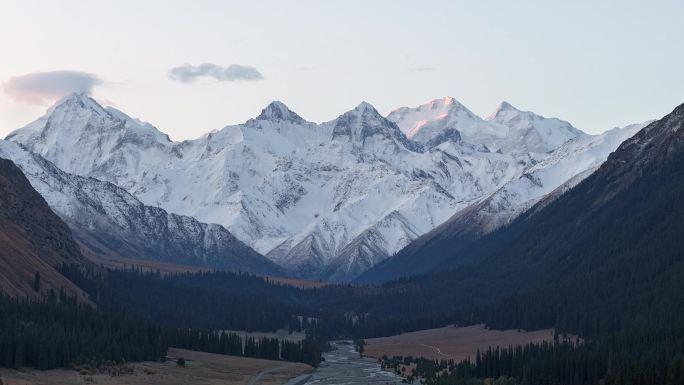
x=436 y=349
x=255 y=380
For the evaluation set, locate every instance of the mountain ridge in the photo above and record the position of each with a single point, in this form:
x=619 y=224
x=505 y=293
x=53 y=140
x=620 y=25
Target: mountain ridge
x=507 y=129
x=561 y=169
x=109 y=221
x=312 y=197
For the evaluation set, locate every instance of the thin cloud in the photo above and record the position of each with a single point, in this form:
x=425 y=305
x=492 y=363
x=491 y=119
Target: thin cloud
x=45 y=87
x=422 y=69
x=232 y=73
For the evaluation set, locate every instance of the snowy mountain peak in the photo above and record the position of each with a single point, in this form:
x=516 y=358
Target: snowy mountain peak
x=364 y=113
x=435 y=122
x=77 y=124
x=506 y=110
x=74 y=102
x=538 y=133
x=364 y=122
x=448 y=102
x=441 y=108
x=364 y=107
x=70 y=118
x=508 y=129
x=277 y=111
x=78 y=97
x=506 y=106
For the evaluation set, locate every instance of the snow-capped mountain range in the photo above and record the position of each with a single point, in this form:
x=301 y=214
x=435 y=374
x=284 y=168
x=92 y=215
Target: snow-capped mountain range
x=325 y=200
x=563 y=168
x=507 y=129
x=111 y=222
x=544 y=181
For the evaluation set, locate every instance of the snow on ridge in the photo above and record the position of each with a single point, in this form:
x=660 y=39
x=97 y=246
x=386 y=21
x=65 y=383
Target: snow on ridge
x=111 y=221
x=507 y=130
x=312 y=197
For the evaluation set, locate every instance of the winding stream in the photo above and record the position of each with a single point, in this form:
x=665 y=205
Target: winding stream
x=343 y=366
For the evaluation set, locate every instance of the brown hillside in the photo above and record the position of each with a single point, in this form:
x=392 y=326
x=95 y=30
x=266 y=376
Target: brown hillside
x=33 y=239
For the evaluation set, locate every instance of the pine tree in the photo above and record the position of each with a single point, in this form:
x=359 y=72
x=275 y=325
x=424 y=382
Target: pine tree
x=36 y=282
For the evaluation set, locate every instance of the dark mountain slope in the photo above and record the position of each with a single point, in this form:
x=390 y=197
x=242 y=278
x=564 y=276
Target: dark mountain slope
x=609 y=252
x=605 y=256
x=604 y=260
x=32 y=239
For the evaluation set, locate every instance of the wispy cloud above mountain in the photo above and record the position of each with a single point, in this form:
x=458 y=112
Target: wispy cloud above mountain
x=232 y=73
x=46 y=87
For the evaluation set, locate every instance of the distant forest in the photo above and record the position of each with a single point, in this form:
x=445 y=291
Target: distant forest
x=621 y=344
x=625 y=336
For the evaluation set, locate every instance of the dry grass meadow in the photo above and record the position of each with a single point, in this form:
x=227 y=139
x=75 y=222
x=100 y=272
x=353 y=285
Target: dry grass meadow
x=201 y=369
x=450 y=342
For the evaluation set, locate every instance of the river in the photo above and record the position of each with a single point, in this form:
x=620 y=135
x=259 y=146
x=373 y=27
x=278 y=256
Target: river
x=343 y=366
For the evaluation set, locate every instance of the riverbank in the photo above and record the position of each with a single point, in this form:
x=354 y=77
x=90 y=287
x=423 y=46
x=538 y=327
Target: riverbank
x=343 y=365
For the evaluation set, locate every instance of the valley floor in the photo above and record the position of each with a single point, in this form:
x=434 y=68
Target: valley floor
x=201 y=369
x=450 y=342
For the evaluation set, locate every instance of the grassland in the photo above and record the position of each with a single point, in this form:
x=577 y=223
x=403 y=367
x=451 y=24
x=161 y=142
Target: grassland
x=200 y=369
x=450 y=342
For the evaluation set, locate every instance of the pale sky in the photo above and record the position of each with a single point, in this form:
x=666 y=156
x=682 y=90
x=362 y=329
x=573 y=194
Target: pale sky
x=597 y=64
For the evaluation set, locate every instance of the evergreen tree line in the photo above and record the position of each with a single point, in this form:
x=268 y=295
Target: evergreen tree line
x=615 y=360
x=233 y=301
x=307 y=351
x=194 y=308
x=202 y=301
x=58 y=331
x=245 y=302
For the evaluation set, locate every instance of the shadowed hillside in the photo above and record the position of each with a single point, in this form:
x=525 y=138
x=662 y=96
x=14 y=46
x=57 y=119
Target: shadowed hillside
x=32 y=239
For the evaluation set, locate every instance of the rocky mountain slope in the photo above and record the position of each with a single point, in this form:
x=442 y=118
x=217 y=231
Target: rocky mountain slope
x=110 y=221
x=32 y=240
x=546 y=180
